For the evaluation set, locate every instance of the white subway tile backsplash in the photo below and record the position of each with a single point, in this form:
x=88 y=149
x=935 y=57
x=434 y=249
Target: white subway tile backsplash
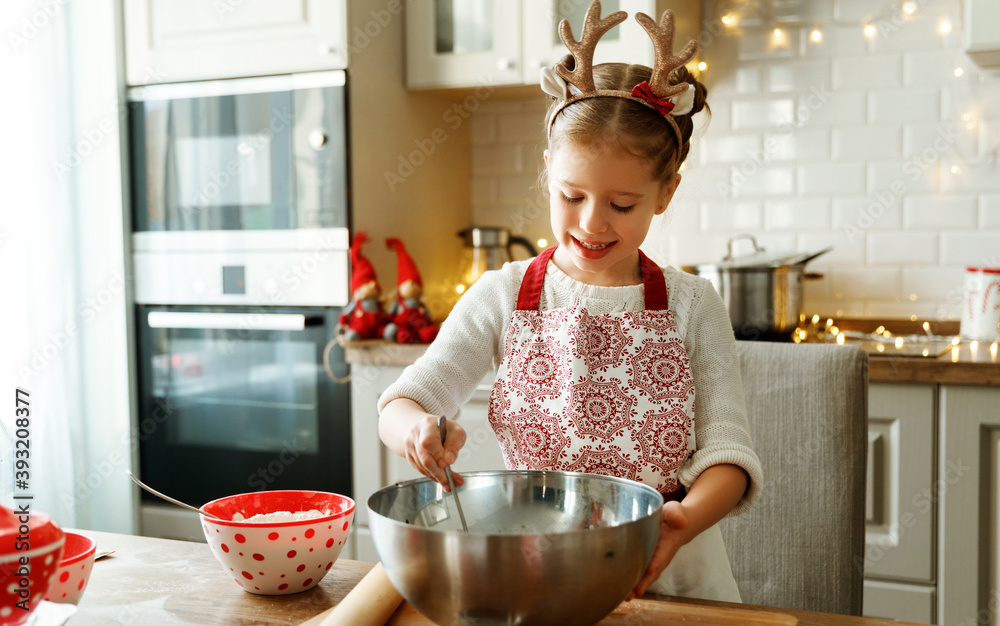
x=854 y=10
x=902 y=248
x=969 y=177
x=846 y=250
x=933 y=282
x=824 y=108
x=966 y=95
x=899 y=178
x=797 y=214
x=799 y=76
x=483 y=191
x=695 y=248
x=989 y=211
x=831 y=179
x=742 y=81
x=928 y=69
x=931 y=143
x=867 y=142
x=763 y=45
x=797 y=145
x=483 y=129
x=867 y=72
x=730 y=148
x=497 y=159
x=814 y=289
x=940 y=212
x=837 y=41
x=516 y=188
x=727 y=216
x=865 y=283
x=916 y=32
x=845 y=141
x=705 y=182
x=904 y=106
x=970 y=248
x=521 y=128
x=750 y=114
x=752 y=179
x=681 y=216
x=882 y=211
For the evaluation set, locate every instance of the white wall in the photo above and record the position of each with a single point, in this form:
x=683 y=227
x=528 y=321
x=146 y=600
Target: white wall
x=848 y=142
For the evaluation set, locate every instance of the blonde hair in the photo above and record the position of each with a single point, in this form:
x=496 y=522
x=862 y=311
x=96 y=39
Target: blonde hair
x=636 y=128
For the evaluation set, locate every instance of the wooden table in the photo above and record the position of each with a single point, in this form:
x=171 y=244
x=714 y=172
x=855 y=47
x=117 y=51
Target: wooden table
x=160 y=581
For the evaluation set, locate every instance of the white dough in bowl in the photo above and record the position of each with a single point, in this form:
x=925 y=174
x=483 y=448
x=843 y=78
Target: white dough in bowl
x=281 y=516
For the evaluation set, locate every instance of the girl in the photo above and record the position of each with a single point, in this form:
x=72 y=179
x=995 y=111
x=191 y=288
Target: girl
x=599 y=352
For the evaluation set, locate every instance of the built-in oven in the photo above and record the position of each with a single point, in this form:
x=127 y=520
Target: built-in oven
x=236 y=399
x=240 y=209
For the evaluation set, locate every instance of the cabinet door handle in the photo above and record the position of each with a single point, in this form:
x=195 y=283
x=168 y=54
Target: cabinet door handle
x=230 y=321
x=504 y=64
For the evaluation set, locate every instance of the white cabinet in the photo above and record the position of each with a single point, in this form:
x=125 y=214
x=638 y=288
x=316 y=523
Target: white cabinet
x=900 y=511
x=933 y=530
x=982 y=31
x=182 y=40
x=463 y=43
x=473 y=43
x=968 y=489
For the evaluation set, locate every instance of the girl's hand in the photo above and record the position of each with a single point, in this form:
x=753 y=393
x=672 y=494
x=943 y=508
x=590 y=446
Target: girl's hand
x=423 y=449
x=672 y=522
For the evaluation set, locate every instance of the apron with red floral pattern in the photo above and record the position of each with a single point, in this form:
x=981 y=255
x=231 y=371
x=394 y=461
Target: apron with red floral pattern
x=604 y=394
x=607 y=394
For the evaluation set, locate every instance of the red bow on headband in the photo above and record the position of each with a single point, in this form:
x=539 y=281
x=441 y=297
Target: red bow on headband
x=645 y=92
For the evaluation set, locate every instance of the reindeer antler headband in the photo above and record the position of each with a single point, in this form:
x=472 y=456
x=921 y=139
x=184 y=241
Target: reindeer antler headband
x=577 y=68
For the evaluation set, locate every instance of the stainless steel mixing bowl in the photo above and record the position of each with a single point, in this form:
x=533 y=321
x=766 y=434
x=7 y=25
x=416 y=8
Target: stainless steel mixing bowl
x=542 y=547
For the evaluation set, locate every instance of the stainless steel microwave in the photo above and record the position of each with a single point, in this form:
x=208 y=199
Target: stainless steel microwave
x=266 y=153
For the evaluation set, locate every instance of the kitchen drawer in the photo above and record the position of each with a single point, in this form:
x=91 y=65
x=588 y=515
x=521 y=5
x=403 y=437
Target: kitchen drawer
x=900 y=511
x=899 y=601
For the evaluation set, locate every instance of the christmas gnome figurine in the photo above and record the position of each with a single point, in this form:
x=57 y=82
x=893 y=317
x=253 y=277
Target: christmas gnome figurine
x=363 y=318
x=408 y=318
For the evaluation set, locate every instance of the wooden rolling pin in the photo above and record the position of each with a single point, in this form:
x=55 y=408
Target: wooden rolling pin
x=371 y=603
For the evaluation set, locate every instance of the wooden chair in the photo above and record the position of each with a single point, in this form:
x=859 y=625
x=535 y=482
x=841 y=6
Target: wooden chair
x=802 y=544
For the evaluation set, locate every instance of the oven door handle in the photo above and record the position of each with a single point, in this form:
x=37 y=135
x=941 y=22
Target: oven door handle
x=230 y=321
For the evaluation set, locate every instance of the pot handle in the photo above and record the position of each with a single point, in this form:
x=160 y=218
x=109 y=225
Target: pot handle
x=521 y=241
x=729 y=245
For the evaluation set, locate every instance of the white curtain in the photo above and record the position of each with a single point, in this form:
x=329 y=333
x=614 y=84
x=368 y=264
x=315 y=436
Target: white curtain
x=63 y=331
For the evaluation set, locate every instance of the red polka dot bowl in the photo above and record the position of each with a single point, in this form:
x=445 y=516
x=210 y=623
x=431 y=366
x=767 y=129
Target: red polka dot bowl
x=31 y=545
x=77 y=562
x=278 y=557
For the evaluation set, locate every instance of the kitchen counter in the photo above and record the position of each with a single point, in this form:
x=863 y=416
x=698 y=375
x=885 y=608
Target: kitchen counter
x=160 y=581
x=958 y=366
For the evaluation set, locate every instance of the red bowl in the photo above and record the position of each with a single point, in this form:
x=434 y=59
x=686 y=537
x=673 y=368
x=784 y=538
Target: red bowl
x=278 y=558
x=17 y=588
x=74 y=570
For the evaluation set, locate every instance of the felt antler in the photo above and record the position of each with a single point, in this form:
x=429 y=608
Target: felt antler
x=581 y=75
x=665 y=62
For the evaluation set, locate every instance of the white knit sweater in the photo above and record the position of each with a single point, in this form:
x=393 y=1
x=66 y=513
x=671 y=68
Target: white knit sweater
x=470 y=343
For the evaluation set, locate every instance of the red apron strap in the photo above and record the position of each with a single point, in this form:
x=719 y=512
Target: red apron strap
x=531 y=285
x=654 y=284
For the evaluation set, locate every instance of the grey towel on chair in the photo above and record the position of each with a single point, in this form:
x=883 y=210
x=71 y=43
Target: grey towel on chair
x=802 y=544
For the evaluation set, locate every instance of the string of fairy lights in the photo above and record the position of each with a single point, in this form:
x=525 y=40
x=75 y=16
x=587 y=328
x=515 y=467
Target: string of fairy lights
x=882 y=22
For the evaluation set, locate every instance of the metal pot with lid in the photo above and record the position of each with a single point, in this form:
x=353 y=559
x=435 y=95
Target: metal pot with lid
x=762 y=291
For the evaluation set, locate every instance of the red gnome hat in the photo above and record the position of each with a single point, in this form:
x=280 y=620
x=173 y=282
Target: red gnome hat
x=406 y=269
x=362 y=271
